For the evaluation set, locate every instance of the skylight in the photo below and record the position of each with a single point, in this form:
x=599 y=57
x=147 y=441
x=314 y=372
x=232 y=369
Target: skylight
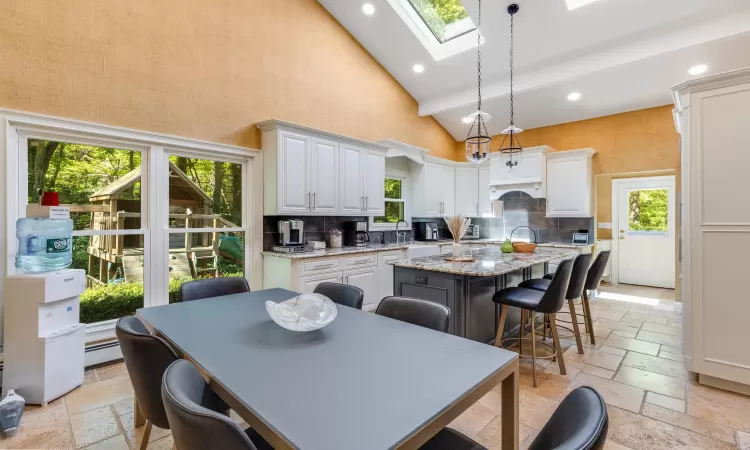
x=573 y=4
x=446 y=19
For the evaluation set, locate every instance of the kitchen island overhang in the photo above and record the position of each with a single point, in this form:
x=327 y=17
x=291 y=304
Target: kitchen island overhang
x=466 y=288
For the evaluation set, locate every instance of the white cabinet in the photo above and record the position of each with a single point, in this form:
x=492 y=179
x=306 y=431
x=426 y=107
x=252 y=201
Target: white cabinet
x=433 y=191
x=313 y=172
x=569 y=183
x=367 y=280
x=484 y=197
x=467 y=192
x=374 y=183
x=352 y=200
x=308 y=284
x=528 y=176
x=294 y=173
x=325 y=173
x=385 y=273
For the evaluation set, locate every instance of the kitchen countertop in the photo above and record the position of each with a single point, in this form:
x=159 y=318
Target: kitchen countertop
x=392 y=246
x=489 y=262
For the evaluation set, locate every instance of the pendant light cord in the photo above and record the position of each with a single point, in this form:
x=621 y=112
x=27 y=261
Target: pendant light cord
x=512 y=122
x=479 y=60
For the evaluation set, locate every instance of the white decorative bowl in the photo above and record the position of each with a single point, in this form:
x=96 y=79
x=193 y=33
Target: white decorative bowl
x=306 y=312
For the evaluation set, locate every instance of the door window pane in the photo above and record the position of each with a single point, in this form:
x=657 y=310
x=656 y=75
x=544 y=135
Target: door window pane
x=204 y=193
x=114 y=281
x=647 y=210
x=195 y=256
x=101 y=185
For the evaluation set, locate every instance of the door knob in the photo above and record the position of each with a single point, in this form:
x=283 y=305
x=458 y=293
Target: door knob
x=622 y=238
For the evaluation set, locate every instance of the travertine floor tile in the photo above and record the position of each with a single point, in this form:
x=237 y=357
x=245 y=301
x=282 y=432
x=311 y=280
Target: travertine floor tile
x=44 y=416
x=654 y=364
x=98 y=394
x=134 y=436
x=722 y=407
x=614 y=325
x=56 y=437
x=743 y=441
x=614 y=393
x=682 y=420
x=671 y=356
x=594 y=358
x=473 y=420
x=640 y=432
x=671 y=349
x=111 y=371
x=634 y=345
x=89 y=377
x=613 y=350
x=165 y=443
x=117 y=442
x=626 y=334
x=646 y=317
x=650 y=381
x=598 y=371
x=491 y=435
x=659 y=338
x=665 y=402
x=93 y=426
x=664 y=329
x=535 y=411
x=612 y=445
x=124 y=406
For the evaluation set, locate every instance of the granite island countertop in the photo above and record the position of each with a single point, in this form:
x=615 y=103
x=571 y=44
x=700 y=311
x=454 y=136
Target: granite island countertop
x=489 y=262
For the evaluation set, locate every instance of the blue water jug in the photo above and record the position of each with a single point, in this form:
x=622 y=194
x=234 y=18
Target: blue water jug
x=44 y=245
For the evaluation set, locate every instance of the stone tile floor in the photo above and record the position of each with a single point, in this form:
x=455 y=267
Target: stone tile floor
x=652 y=401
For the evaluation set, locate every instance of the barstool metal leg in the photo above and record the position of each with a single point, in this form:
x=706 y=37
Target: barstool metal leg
x=556 y=341
x=501 y=325
x=524 y=319
x=576 y=331
x=533 y=348
x=587 y=317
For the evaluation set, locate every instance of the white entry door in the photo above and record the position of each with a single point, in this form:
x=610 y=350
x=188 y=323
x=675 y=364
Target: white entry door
x=645 y=231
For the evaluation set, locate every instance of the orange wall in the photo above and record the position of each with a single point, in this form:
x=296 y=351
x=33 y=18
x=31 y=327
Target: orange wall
x=203 y=69
x=635 y=141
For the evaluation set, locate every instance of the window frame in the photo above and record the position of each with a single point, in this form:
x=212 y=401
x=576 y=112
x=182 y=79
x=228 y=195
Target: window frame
x=405 y=179
x=441 y=41
x=17 y=127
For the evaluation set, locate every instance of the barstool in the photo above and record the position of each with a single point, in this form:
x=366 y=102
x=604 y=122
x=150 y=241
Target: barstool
x=593 y=280
x=534 y=301
x=574 y=292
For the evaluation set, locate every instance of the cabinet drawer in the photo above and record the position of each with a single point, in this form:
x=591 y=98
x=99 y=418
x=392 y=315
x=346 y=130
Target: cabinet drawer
x=320 y=265
x=369 y=259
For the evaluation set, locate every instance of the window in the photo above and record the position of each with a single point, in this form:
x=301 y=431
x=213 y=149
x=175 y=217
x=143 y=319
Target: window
x=647 y=210
x=446 y=19
x=396 y=201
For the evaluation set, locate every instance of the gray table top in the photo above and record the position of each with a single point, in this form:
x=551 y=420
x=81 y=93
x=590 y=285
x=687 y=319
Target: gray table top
x=363 y=382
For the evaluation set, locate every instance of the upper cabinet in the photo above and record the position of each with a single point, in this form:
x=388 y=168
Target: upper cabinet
x=433 y=189
x=313 y=172
x=528 y=176
x=467 y=191
x=569 y=183
x=484 y=196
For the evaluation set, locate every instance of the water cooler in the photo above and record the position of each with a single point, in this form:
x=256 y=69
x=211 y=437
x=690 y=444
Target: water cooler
x=44 y=343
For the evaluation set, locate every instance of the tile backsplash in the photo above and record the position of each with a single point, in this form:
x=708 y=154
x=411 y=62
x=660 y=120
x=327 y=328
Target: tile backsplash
x=316 y=227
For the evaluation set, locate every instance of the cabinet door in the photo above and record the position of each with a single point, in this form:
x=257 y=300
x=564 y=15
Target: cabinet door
x=467 y=194
x=308 y=284
x=433 y=193
x=485 y=204
x=325 y=176
x=351 y=198
x=448 y=184
x=567 y=188
x=294 y=173
x=367 y=280
x=385 y=274
x=374 y=183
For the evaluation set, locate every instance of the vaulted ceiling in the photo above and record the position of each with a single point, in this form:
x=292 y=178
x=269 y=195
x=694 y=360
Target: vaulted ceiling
x=620 y=55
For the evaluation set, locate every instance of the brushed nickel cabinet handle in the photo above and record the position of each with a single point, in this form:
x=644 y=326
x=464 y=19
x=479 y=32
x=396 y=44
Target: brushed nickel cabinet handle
x=313 y=201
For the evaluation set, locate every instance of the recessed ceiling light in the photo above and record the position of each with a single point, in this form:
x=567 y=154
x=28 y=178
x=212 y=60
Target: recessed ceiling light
x=697 y=70
x=573 y=4
x=418 y=68
x=574 y=96
x=368 y=9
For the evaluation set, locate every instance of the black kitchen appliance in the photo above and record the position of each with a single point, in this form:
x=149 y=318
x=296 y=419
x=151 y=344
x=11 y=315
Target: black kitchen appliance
x=355 y=234
x=427 y=231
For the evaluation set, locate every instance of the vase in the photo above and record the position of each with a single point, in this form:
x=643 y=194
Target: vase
x=458 y=249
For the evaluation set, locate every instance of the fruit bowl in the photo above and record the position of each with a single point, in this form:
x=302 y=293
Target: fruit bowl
x=306 y=312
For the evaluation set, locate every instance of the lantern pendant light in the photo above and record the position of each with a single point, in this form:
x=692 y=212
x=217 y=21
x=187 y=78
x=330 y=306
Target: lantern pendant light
x=513 y=150
x=478 y=141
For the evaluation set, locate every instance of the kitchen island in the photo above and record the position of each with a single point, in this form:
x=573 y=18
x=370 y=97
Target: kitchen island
x=467 y=287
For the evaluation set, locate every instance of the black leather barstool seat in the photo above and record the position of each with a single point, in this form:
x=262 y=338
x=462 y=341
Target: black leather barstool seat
x=520 y=297
x=540 y=284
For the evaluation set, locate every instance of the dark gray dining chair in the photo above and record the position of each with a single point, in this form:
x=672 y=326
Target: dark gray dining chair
x=212 y=287
x=575 y=291
x=416 y=311
x=342 y=294
x=146 y=358
x=196 y=414
x=579 y=423
x=532 y=301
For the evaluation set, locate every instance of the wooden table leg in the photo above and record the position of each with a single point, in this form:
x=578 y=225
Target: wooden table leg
x=138 y=418
x=509 y=399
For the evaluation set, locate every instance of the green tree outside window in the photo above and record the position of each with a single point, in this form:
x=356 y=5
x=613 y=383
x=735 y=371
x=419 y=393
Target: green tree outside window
x=648 y=209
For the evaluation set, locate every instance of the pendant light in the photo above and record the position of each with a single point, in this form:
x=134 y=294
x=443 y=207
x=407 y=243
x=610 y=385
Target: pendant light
x=478 y=141
x=513 y=151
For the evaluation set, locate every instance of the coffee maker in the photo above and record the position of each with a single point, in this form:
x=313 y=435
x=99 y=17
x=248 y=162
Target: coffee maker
x=355 y=234
x=290 y=232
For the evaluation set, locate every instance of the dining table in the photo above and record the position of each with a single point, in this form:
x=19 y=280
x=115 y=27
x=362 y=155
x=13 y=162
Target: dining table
x=363 y=382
